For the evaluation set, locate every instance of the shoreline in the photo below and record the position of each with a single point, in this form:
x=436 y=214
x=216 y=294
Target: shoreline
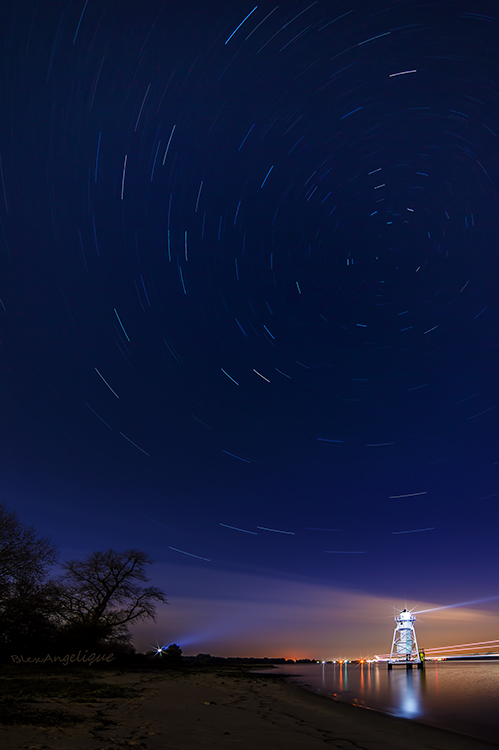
x=424 y=724
x=218 y=708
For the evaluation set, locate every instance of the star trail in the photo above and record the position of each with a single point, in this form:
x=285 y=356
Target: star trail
x=249 y=274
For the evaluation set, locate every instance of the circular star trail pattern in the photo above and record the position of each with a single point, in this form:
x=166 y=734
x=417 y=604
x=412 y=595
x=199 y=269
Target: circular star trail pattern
x=250 y=263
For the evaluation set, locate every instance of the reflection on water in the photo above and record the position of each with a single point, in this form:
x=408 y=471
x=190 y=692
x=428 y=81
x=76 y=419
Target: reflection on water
x=463 y=696
x=407 y=686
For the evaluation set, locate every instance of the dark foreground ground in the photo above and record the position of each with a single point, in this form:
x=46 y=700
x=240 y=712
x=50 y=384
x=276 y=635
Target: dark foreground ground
x=92 y=709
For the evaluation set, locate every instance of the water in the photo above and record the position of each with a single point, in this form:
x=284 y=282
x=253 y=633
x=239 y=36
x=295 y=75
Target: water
x=461 y=696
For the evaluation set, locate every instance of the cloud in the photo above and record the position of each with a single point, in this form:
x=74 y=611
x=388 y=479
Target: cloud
x=230 y=613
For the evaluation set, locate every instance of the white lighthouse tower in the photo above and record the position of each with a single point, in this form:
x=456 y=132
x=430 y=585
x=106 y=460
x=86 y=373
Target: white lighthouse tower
x=405 y=645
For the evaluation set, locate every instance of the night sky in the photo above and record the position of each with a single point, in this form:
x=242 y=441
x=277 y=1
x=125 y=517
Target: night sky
x=249 y=310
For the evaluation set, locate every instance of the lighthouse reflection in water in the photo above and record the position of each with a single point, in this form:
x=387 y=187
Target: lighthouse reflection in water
x=407 y=685
x=461 y=696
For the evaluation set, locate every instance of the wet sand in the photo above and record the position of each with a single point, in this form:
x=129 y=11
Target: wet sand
x=178 y=711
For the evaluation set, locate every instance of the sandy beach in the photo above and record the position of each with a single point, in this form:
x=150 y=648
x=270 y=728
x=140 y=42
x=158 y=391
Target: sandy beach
x=218 y=709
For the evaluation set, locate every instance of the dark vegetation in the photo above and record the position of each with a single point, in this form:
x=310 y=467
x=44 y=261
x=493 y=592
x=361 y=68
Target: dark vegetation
x=88 y=607
x=206 y=659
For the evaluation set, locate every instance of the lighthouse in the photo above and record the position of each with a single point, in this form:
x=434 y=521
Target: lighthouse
x=405 y=645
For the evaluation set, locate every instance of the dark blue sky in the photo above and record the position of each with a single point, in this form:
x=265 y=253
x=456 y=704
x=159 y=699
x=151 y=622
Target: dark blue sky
x=249 y=277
